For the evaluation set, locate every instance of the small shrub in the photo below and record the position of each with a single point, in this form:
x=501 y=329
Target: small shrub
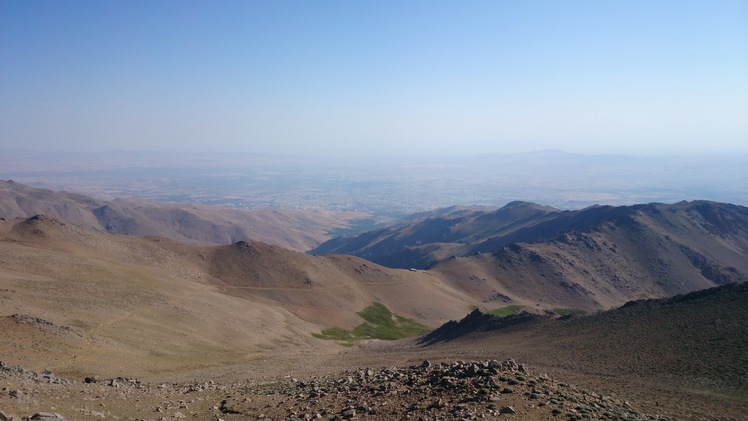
x=379 y=323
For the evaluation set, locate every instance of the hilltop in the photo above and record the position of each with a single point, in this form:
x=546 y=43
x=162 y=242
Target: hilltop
x=293 y=229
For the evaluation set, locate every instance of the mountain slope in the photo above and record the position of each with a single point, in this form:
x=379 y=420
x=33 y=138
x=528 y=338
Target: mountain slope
x=691 y=348
x=293 y=229
x=85 y=303
x=429 y=237
x=140 y=306
x=639 y=252
x=598 y=257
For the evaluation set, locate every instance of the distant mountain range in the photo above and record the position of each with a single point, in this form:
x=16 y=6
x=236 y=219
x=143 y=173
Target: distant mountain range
x=602 y=255
x=522 y=254
x=428 y=237
x=293 y=229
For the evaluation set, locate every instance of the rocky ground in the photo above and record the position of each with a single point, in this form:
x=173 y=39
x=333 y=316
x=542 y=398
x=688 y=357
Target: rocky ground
x=460 y=390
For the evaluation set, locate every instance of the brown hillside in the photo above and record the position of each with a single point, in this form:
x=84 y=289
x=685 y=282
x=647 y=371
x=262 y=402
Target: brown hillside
x=327 y=290
x=133 y=307
x=164 y=304
x=230 y=326
x=690 y=348
x=701 y=226
x=658 y=251
x=293 y=229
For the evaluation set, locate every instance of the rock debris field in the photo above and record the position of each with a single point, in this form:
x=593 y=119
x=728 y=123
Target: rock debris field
x=461 y=390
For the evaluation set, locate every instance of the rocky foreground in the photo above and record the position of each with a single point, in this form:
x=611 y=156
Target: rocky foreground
x=443 y=391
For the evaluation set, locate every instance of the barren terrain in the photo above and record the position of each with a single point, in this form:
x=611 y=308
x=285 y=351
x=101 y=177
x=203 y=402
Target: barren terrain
x=294 y=229
x=168 y=330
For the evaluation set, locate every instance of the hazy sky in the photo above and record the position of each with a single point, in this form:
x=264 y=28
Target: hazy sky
x=375 y=76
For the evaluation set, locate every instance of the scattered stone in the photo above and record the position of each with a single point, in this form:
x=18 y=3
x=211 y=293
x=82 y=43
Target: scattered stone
x=507 y=410
x=47 y=416
x=447 y=390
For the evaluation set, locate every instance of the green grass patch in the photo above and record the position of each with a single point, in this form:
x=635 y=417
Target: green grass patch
x=561 y=311
x=380 y=323
x=505 y=311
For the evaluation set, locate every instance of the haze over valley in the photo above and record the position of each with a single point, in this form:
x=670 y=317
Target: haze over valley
x=385 y=187
x=422 y=210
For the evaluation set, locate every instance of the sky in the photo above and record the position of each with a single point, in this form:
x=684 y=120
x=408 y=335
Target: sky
x=341 y=78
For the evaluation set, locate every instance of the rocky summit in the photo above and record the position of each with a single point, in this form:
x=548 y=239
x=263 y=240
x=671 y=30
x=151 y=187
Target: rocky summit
x=459 y=390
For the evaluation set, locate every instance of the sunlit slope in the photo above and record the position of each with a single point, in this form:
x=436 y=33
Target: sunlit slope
x=90 y=302
x=124 y=306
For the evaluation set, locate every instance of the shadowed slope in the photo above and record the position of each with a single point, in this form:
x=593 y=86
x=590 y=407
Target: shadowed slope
x=432 y=236
x=460 y=232
x=642 y=252
x=599 y=257
x=690 y=348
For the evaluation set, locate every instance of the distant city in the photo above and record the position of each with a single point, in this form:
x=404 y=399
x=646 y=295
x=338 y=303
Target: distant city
x=386 y=188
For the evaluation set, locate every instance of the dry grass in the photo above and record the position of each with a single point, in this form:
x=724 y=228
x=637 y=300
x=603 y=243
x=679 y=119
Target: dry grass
x=163 y=311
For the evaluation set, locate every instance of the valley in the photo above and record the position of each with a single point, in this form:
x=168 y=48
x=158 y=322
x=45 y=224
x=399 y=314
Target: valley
x=179 y=327
x=373 y=210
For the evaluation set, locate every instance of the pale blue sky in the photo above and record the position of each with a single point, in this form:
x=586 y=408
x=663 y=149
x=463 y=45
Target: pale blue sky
x=386 y=77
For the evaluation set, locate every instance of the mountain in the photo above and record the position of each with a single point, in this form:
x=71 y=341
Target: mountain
x=690 y=345
x=232 y=330
x=522 y=254
x=604 y=256
x=598 y=257
x=428 y=237
x=112 y=291
x=152 y=304
x=294 y=229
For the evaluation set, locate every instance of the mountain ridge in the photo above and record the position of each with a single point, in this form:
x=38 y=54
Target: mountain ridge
x=87 y=303
x=294 y=229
